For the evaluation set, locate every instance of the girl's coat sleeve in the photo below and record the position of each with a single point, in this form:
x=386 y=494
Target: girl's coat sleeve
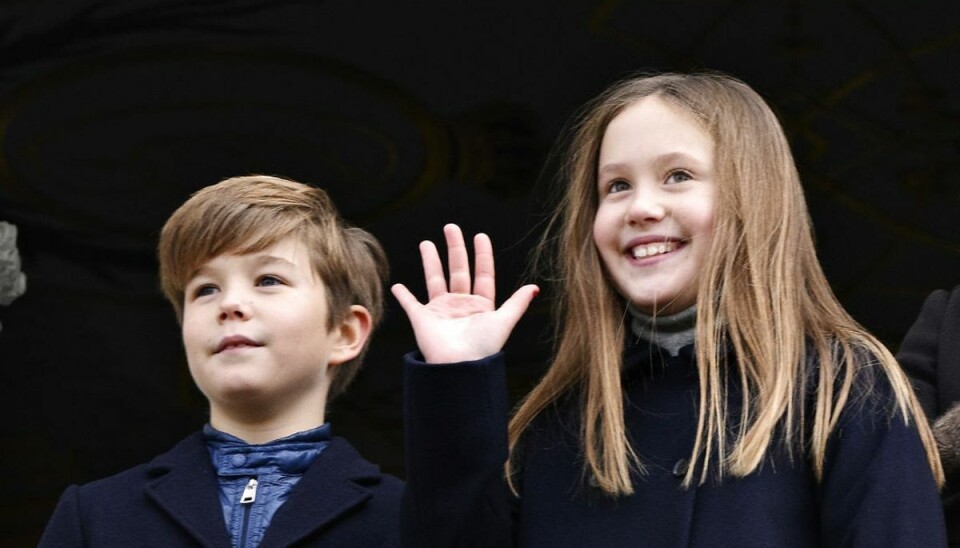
x=877 y=487
x=456 y=448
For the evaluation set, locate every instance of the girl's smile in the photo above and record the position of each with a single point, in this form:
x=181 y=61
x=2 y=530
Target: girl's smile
x=641 y=249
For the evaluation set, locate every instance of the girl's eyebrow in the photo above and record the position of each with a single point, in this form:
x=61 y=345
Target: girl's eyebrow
x=613 y=167
x=659 y=161
x=674 y=157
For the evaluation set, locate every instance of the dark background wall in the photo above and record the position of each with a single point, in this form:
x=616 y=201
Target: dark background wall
x=411 y=115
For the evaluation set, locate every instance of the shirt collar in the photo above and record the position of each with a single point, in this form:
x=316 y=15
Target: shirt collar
x=670 y=332
x=292 y=454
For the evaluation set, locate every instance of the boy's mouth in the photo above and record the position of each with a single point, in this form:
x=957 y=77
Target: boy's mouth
x=235 y=341
x=653 y=249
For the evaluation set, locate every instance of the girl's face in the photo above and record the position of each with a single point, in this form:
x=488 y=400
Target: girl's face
x=657 y=196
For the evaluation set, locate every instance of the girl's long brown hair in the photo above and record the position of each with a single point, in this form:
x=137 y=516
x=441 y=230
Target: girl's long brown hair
x=762 y=293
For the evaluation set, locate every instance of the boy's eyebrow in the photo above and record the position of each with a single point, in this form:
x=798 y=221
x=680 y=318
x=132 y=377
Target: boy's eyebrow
x=259 y=260
x=272 y=259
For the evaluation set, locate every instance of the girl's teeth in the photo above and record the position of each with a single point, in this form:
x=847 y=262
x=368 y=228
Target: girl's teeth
x=642 y=251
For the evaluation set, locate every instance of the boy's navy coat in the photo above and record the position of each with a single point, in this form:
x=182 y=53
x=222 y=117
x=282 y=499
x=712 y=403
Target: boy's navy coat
x=341 y=500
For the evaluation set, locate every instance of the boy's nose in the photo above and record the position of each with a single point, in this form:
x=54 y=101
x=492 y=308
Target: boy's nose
x=234 y=308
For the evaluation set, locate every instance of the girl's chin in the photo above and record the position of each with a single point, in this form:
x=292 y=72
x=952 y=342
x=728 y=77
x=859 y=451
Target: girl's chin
x=661 y=306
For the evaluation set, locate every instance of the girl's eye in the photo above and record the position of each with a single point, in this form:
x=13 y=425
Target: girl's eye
x=678 y=176
x=617 y=186
x=269 y=280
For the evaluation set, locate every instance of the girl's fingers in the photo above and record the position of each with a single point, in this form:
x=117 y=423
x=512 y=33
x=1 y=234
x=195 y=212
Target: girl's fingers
x=432 y=270
x=407 y=301
x=458 y=259
x=514 y=307
x=484 y=279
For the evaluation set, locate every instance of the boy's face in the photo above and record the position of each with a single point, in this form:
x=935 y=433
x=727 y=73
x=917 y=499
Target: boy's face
x=657 y=195
x=255 y=331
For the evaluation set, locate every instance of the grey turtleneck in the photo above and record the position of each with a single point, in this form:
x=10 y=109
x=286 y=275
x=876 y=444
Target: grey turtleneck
x=671 y=332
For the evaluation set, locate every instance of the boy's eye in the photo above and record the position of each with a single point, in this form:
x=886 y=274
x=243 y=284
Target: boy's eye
x=269 y=280
x=678 y=176
x=204 y=290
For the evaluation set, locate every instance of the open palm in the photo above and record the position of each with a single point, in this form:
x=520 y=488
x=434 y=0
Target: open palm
x=460 y=321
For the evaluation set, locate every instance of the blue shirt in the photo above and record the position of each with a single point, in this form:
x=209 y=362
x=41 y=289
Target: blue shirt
x=255 y=480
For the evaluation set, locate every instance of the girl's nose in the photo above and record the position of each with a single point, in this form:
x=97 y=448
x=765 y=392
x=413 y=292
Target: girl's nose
x=646 y=206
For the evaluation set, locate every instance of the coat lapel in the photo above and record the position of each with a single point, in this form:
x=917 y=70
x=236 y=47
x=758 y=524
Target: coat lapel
x=331 y=488
x=185 y=487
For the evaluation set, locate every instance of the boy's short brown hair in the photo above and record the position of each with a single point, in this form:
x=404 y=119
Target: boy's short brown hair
x=248 y=214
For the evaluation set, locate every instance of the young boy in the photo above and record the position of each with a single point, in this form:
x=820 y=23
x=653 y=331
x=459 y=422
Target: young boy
x=277 y=297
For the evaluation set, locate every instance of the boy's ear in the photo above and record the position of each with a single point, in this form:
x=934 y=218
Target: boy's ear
x=351 y=334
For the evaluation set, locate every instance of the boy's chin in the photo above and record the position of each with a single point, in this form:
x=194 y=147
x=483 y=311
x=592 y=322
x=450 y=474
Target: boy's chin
x=244 y=398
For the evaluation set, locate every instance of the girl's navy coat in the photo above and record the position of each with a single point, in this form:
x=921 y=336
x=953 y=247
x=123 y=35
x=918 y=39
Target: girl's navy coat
x=877 y=489
x=341 y=500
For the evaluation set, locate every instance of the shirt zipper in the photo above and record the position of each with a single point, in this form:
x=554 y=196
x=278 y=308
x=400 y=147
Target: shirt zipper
x=246 y=499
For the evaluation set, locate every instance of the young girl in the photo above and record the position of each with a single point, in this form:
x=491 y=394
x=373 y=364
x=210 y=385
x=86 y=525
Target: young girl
x=707 y=388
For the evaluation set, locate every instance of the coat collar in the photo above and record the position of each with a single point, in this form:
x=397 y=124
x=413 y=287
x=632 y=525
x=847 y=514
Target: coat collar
x=184 y=485
x=334 y=485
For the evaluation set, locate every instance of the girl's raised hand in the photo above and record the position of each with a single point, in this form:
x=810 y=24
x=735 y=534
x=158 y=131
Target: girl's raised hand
x=459 y=322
